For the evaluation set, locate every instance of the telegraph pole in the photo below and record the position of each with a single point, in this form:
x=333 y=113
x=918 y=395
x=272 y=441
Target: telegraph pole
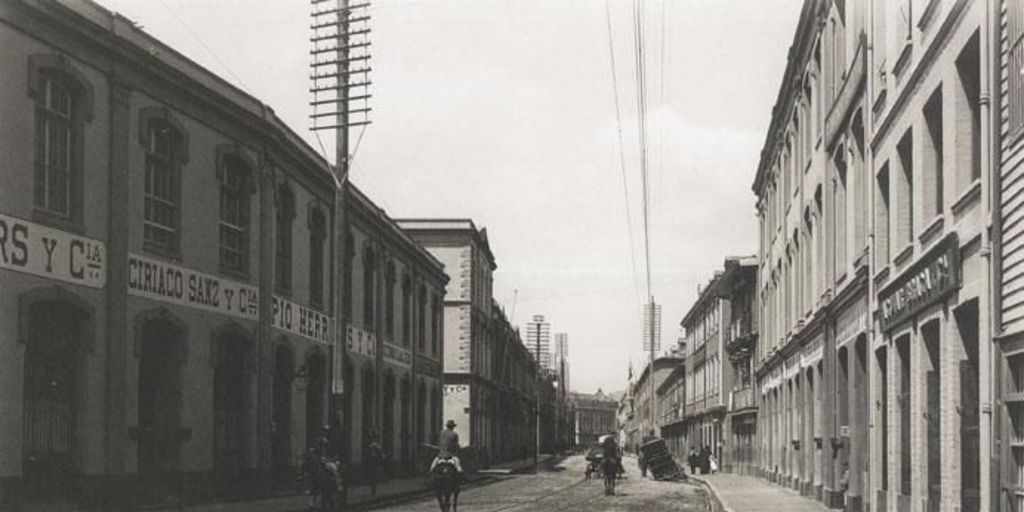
x=336 y=32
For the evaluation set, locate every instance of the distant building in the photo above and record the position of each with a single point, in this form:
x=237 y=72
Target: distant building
x=595 y=416
x=538 y=340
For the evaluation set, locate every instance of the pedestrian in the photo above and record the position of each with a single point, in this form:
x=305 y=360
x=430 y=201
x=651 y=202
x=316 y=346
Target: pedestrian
x=705 y=466
x=374 y=460
x=693 y=460
x=641 y=460
x=712 y=463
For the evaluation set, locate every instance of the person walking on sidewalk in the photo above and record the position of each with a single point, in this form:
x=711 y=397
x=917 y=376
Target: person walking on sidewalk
x=374 y=461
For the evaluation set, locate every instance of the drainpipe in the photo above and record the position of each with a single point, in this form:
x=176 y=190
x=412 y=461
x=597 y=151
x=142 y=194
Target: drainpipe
x=986 y=355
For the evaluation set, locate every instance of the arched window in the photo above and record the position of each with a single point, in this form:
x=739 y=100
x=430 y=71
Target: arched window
x=283 y=217
x=369 y=289
x=165 y=148
x=406 y=310
x=317 y=234
x=235 y=179
x=421 y=315
x=389 y=300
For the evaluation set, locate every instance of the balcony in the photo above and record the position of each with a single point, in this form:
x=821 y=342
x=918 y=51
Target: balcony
x=742 y=399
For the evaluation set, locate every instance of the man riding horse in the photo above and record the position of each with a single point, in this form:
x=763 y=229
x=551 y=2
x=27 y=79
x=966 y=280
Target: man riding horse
x=446 y=469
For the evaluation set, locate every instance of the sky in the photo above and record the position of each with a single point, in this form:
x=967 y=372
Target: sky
x=504 y=111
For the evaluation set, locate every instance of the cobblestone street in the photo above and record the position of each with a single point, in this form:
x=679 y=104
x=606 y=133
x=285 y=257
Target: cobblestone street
x=562 y=488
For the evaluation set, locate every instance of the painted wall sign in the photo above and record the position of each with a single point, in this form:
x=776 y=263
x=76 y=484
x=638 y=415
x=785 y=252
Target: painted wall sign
x=43 y=251
x=931 y=278
x=166 y=282
x=397 y=355
x=359 y=341
x=455 y=389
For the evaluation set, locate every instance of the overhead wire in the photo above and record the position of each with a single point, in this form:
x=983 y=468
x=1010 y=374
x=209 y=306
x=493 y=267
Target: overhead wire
x=641 y=72
x=622 y=151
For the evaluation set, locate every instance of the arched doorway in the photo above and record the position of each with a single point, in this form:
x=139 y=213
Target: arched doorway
x=405 y=402
x=367 y=414
x=281 y=430
x=315 y=387
x=230 y=401
x=388 y=426
x=162 y=349
x=50 y=399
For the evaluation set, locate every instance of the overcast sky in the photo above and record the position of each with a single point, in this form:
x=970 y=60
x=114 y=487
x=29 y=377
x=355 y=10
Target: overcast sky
x=503 y=111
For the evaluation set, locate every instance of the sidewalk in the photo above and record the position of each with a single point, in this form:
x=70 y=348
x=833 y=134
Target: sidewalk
x=741 y=493
x=394 y=490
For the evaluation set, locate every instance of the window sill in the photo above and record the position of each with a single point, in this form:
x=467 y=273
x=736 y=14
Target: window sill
x=161 y=251
x=58 y=221
x=968 y=198
x=931 y=231
x=904 y=255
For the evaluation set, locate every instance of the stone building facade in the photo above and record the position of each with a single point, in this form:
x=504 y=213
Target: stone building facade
x=875 y=259
x=171 y=284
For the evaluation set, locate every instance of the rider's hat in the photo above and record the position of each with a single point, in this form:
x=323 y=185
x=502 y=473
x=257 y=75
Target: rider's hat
x=451 y=423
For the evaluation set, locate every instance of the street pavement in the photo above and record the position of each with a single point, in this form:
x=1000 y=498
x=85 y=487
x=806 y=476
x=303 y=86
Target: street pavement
x=562 y=488
x=741 y=493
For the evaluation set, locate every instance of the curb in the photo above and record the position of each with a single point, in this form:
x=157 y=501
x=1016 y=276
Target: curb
x=718 y=504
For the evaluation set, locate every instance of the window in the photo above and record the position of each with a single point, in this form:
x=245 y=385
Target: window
x=931 y=154
x=55 y=137
x=317 y=234
x=882 y=252
x=369 y=289
x=839 y=213
x=968 y=109
x=283 y=239
x=406 y=310
x=162 y=188
x=421 y=315
x=931 y=336
x=234 y=214
x=436 y=335
x=905 y=190
x=389 y=301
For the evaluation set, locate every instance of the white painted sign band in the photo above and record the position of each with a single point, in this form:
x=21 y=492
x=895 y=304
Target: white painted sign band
x=43 y=251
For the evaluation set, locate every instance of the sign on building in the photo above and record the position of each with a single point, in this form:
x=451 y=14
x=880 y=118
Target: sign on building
x=46 y=252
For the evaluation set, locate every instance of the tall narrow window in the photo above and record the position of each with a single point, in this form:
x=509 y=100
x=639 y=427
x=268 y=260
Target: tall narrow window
x=839 y=205
x=968 y=108
x=421 y=316
x=882 y=251
x=55 y=138
x=406 y=310
x=931 y=163
x=317 y=234
x=283 y=239
x=970 y=397
x=389 y=301
x=369 y=289
x=162 y=190
x=905 y=190
x=883 y=412
x=437 y=324
x=234 y=214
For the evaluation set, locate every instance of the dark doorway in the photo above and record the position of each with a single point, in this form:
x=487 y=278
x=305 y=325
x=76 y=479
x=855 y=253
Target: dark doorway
x=368 y=389
x=230 y=399
x=50 y=412
x=388 y=427
x=405 y=399
x=281 y=432
x=970 y=426
x=315 y=388
x=160 y=361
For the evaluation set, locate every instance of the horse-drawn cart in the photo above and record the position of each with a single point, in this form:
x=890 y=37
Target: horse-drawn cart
x=659 y=461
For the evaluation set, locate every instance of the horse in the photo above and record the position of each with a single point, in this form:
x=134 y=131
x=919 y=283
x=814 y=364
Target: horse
x=445 y=480
x=323 y=477
x=610 y=471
